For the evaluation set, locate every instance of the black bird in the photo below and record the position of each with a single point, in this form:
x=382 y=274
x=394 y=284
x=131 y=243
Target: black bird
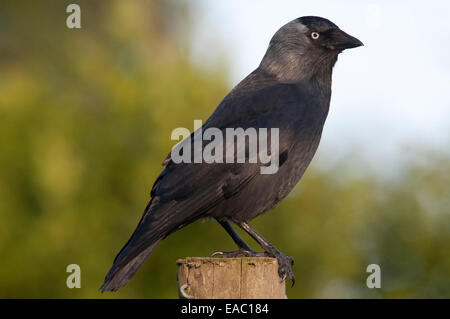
x=289 y=90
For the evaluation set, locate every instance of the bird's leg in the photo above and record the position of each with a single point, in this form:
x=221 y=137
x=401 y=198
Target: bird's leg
x=285 y=262
x=244 y=249
x=234 y=235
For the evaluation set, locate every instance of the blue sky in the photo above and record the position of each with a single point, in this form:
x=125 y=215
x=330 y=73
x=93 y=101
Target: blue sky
x=389 y=97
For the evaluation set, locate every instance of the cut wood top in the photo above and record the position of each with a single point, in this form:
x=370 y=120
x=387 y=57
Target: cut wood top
x=230 y=278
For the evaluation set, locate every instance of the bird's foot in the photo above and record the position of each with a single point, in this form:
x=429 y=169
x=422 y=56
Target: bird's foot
x=239 y=252
x=285 y=263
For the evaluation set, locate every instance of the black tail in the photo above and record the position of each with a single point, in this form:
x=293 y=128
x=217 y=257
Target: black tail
x=156 y=223
x=121 y=273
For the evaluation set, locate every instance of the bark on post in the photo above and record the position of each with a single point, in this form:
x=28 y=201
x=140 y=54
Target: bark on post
x=230 y=278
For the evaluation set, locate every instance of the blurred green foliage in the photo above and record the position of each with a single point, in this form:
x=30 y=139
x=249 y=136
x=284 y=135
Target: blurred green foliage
x=85 y=121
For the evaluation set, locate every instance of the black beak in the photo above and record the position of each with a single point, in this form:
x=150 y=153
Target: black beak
x=342 y=40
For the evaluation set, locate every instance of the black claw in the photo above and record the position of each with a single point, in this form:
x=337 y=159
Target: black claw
x=216 y=253
x=285 y=263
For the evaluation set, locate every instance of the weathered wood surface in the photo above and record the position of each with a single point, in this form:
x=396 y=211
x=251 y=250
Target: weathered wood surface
x=230 y=278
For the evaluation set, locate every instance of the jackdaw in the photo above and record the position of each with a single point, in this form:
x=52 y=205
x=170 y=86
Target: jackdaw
x=290 y=90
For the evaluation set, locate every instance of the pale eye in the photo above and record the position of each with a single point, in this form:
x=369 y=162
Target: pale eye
x=315 y=35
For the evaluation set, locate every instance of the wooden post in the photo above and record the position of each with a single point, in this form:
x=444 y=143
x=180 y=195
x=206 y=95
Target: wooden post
x=230 y=278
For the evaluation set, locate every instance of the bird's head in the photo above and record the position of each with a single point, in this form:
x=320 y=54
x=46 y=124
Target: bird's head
x=306 y=47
